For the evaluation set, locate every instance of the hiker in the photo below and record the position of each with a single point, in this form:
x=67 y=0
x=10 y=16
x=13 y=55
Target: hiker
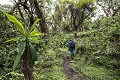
x=71 y=46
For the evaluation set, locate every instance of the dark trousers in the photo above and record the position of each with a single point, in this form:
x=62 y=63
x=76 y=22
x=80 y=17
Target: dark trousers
x=72 y=56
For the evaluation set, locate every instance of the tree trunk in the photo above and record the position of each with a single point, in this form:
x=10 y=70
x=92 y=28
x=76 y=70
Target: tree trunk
x=26 y=68
x=40 y=15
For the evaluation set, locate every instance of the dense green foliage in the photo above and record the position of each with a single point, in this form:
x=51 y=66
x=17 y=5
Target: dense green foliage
x=97 y=52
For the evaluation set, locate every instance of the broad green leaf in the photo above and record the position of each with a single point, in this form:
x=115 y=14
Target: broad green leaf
x=32 y=27
x=17 y=23
x=21 y=48
x=32 y=54
x=12 y=39
x=34 y=33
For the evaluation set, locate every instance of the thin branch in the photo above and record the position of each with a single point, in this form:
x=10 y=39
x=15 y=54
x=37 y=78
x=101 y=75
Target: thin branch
x=13 y=9
x=86 y=16
x=116 y=11
x=103 y=7
x=21 y=14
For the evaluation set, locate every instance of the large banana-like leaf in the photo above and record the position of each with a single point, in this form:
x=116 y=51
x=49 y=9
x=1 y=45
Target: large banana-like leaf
x=32 y=27
x=21 y=48
x=32 y=54
x=17 y=23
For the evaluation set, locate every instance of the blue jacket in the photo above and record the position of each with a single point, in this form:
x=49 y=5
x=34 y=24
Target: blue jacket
x=69 y=43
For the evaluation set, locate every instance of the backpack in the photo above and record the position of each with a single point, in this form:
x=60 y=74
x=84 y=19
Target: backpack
x=72 y=45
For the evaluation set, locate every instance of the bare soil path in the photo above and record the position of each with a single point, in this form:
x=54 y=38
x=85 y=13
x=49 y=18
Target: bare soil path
x=70 y=73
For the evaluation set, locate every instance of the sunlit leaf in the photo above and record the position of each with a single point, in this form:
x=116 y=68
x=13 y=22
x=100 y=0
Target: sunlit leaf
x=34 y=33
x=17 y=23
x=12 y=39
x=16 y=74
x=35 y=40
x=32 y=27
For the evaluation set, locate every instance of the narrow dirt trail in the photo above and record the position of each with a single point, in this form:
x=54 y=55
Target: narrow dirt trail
x=70 y=73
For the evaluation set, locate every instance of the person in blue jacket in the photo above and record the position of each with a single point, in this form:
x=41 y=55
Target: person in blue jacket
x=71 y=46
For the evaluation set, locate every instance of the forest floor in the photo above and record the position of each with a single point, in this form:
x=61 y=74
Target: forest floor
x=80 y=69
x=70 y=73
